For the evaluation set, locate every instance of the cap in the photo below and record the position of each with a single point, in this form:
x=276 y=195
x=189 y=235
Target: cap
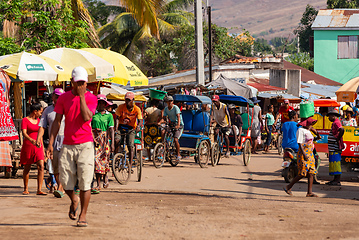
x=103 y=98
x=59 y=91
x=286 y=101
x=169 y=98
x=215 y=98
x=79 y=74
x=333 y=112
x=129 y=95
x=231 y=106
x=307 y=122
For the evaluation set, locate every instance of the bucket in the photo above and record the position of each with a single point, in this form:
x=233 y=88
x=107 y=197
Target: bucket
x=306 y=109
x=157 y=94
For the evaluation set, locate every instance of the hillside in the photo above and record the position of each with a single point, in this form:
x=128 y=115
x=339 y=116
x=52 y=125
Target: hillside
x=262 y=18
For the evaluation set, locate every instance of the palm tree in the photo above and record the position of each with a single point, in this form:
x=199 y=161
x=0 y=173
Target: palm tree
x=143 y=18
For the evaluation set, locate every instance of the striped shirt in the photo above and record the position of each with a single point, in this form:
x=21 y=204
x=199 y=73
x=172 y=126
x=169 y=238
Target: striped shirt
x=333 y=144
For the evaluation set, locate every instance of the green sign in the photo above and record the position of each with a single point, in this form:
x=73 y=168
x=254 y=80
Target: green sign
x=35 y=67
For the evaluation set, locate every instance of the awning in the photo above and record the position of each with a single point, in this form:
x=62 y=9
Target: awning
x=280 y=97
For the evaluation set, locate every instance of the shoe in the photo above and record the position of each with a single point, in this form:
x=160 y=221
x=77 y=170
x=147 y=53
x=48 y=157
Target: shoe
x=81 y=224
x=227 y=154
x=95 y=191
x=58 y=194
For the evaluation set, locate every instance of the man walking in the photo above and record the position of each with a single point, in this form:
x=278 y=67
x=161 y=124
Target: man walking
x=46 y=121
x=77 y=155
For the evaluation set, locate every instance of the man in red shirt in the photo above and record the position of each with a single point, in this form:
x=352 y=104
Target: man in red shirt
x=283 y=112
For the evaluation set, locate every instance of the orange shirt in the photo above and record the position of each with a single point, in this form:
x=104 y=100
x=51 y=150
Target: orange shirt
x=128 y=118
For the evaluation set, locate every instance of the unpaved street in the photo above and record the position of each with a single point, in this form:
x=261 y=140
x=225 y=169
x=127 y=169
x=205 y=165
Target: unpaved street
x=186 y=202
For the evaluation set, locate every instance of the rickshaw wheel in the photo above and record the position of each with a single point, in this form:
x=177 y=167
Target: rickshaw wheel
x=121 y=169
x=215 y=154
x=203 y=153
x=159 y=155
x=139 y=163
x=279 y=144
x=247 y=149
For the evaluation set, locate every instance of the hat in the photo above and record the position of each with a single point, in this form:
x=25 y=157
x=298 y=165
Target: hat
x=59 y=91
x=79 y=74
x=102 y=97
x=255 y=100
x=231 y=106
x=215 y=98
x=333 y=112
x=349 y=109
x=286 y=101
x=169 y=98
x=129 y=95
x=307 y=122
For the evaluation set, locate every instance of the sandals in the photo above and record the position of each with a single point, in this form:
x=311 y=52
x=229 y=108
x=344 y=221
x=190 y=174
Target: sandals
x=81 y=224
x=41 y=193
x=332 y=183
x=73 y=214
x=289 y=192
x=58 y=194
x=311 y=195
x=25 y=193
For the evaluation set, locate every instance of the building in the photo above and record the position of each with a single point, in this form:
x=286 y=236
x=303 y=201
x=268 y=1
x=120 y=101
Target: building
x=336 y=34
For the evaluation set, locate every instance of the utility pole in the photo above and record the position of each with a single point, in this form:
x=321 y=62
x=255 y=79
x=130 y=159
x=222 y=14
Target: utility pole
x=199 y=42
x=210 y=42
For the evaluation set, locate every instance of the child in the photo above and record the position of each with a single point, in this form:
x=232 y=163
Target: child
x=335 y=146
x=269 y=127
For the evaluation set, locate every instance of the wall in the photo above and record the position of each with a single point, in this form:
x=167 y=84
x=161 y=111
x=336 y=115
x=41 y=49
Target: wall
x=326 y=62
x=289 y=79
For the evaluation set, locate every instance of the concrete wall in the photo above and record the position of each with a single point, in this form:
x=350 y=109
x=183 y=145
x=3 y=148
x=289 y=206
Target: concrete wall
x=326 y=62
x=241 y=75
x=289 y=79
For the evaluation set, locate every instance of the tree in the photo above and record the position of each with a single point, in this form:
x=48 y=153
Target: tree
x=302 y=59
x=262 y=46
x=8 y=46
x=342 y=4
x=100 y=12
x=304 y=31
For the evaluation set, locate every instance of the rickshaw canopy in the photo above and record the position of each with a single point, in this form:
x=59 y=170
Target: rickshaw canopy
x=191 y=98
x=121 y=97
x=326 y=103
x=236 y=100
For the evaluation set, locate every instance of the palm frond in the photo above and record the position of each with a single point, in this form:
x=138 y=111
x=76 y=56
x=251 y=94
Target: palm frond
x=165 y=27
x=177 y=18
x=177 y=5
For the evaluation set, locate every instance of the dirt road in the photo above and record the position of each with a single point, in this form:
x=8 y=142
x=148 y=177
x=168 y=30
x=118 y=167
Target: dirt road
x=186 y=202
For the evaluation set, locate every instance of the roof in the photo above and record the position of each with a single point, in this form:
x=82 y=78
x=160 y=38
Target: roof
x=265 y=87
x=337 y=19
x=308 y=75
x=280 y=97
x=319 y=90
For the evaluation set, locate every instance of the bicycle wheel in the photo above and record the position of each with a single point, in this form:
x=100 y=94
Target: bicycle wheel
x=159 y=155
x=215 y=154
x=171 y=156
x=139 y=163
x=247 y=149
x=121 y=169
x=279 y=144
x=203 y=153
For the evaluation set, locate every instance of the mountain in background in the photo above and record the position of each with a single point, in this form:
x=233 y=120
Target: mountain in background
x=262 y=18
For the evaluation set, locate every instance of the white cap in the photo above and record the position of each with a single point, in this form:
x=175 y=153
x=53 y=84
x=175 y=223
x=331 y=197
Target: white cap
x=79 y=74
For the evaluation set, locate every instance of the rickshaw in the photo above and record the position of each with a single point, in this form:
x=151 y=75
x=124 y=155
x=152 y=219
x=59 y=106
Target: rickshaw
x=120 y=163
x=194 y=140
x=245 y=143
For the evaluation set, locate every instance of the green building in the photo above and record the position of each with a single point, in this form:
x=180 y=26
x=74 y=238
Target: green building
x=336 y=34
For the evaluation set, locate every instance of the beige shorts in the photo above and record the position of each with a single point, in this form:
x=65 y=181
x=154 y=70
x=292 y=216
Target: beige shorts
x=76 y=163
x=55 y=161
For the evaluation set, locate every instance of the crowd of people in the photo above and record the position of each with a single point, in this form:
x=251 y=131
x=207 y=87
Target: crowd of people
x=85 y=129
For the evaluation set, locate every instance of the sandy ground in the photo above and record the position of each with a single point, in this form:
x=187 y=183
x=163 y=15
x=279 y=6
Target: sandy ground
x=229 y=201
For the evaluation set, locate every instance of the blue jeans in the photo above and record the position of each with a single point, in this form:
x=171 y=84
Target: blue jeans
x=269 y=135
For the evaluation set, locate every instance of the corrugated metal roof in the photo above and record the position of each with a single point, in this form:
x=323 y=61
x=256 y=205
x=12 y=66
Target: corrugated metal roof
x=337 y=18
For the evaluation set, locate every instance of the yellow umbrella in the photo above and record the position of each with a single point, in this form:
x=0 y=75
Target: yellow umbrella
x=348 y=92
x=125 y=70
x=32 y=67
x=121 y=97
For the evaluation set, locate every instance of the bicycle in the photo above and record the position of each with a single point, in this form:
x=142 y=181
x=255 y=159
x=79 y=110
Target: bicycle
x=121 y=167
x=165 y=150
x=217 y=148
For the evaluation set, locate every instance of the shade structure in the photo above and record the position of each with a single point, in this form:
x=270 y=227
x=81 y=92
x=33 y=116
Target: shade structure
x=348 y=92
x=125 y=70
x=121 y=97
x=97 y=68
x=32 y=67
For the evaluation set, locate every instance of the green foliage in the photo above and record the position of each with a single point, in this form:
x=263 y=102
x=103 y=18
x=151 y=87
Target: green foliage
x=46 y=24
x=342 y=4
x=304 y=31
x=100 y=12
x=302 y=59
x=8 y=46
x=262 y=46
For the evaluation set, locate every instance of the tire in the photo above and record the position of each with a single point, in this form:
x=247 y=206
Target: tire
x=159 y=155
x=121 y=169
x=290 y=173
x=170 y=156
x=203 y=153
x=247 y=149
x=279 y=144
x=139 y=166
x=215 y=154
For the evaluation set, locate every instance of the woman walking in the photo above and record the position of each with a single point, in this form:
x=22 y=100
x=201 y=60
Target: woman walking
x=305 y=157
x=102 y=127
x=256 y=126
x=269 y=127
x=30 y=153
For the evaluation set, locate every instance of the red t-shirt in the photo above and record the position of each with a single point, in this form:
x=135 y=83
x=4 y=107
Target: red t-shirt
x=77 y=131
x=284 y=112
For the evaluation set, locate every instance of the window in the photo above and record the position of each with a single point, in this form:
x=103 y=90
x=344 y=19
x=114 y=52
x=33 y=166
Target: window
x=347 y=47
